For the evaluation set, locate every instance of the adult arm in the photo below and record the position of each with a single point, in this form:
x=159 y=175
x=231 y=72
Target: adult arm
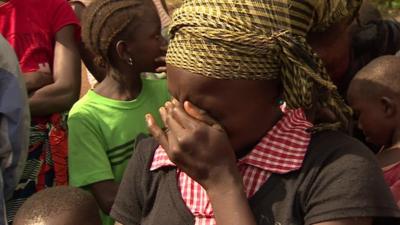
x=64 y=91
x=37 y=80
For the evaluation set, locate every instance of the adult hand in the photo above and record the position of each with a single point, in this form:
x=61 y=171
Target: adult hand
x=37 y=80
x=197 y=144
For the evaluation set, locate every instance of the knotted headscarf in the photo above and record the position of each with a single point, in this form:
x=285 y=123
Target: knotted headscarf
x=262 y=40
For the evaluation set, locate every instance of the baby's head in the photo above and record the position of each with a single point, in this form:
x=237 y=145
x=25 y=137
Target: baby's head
x=59 y=206
x=374 y=96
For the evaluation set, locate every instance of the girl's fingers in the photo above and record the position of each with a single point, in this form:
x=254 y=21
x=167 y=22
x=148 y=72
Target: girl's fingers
x=160 y=59
x=181 y=116
x=172 y=121
x=156 y=131
x=174 y=132
x=200 y=114
x=161 y=69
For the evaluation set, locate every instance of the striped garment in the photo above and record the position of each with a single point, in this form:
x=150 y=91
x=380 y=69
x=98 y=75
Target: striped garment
x=46 y=165
x=281 y=151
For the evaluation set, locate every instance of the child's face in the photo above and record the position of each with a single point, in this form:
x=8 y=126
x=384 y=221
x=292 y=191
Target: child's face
x=246 y=109
x=145 y=45
x=371 y=118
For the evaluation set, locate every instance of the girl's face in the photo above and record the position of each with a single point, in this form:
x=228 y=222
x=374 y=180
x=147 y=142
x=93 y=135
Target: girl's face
x=146 y=42
x=246 y=109
x=370 y=116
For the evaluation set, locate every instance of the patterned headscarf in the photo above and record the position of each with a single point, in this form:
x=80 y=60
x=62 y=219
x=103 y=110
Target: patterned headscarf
x=262 y=40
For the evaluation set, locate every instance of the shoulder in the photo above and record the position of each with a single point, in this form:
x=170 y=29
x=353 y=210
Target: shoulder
x=144 y=150
x=329 y=145
x=138 y=168
x=332 y=153
x=83 y=108
x=336 y=180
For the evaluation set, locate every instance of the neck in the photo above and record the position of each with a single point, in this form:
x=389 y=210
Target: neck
x=277 y=115
x=390 y=154
x=120 y=86
x=395 y=143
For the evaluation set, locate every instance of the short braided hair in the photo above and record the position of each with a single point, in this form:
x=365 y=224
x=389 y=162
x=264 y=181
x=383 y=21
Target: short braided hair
x=104 y=20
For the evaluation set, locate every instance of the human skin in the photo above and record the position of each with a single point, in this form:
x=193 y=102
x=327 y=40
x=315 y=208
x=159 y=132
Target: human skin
x=123 y=81
x=60 y=95
x=206 y=148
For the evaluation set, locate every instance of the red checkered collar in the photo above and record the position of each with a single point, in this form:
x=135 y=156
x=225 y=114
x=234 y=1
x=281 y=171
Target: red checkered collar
x=282 y=150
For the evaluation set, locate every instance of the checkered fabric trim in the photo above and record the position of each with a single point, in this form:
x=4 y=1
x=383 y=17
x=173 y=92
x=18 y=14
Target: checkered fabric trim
x=281 y=151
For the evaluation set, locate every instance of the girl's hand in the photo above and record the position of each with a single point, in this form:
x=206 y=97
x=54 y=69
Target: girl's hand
x=198 y=145
x=161 y=61
x=162 y=68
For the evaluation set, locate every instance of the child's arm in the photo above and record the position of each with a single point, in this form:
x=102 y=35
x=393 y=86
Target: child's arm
x=203 y=151
x=105 y=193
x=62 y=94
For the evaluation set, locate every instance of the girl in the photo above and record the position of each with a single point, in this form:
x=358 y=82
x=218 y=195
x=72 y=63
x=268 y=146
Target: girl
x=125 y=36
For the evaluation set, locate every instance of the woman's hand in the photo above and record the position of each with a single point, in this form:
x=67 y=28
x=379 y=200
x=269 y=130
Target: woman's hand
x=198 y=145
x=37 y=80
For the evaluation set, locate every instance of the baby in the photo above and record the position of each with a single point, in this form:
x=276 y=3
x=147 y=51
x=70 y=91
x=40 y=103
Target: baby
x=374 y=94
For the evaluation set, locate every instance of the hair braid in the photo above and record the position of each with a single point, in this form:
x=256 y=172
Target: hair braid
x=104 y=20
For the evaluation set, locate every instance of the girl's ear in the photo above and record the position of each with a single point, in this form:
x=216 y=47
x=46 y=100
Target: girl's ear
x=389 y=107
x=121 y=47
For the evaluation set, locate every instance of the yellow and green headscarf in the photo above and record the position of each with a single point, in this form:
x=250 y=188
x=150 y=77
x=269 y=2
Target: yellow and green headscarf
x=261 y=40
